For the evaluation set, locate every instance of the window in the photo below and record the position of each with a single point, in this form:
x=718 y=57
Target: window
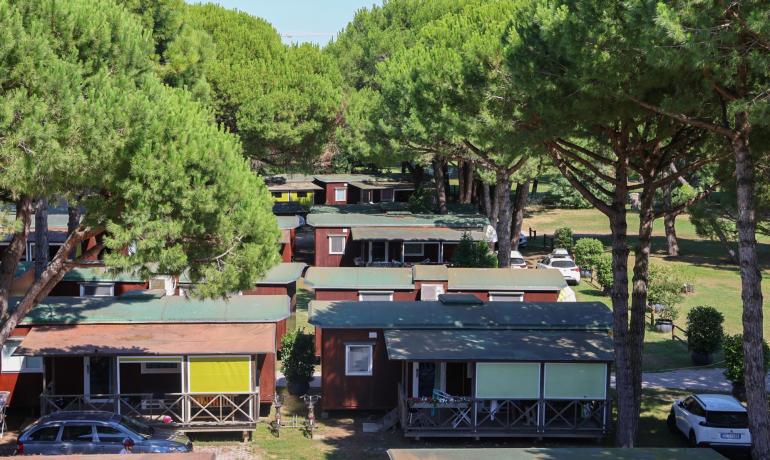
x=12 y=363
x=340 y=194
x=77 y=433
x=431 y=291
x=276 y=194
x=109 y=434
x=301 y=194
x=46 y=434
x=97 y=289
x=375 y=295
x=695 y=408
x=414 y=249
x=386 y=194
x=160 y=368
x=506 y=297
x=358 y=359
x=337 y=244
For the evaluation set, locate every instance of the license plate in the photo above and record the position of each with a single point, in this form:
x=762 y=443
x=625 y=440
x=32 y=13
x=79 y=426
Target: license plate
x=730 y=435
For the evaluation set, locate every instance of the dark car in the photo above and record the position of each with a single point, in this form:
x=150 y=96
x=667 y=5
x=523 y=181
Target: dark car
x=96 y=433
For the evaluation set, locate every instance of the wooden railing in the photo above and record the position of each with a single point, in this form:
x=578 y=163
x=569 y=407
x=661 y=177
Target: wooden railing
x=480 y=417
x=211 y=409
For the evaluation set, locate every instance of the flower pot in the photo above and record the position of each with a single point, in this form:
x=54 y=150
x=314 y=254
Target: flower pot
x=586 y=273
x=664 y=325
x=298 y=388
x=701 y=358
x=739 y=391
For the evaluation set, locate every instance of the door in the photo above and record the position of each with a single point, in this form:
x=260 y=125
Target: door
x=77 y=438
x=378 y=251
x=109 y=440
x=98 y=377
x=427 y=377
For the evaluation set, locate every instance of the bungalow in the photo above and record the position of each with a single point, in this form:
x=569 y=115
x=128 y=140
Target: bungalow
x=347 y=236
x=202 y=364
x=296 y=189
x=288 y=226
x=462 y=367
x=98 y=282
x=341 y=189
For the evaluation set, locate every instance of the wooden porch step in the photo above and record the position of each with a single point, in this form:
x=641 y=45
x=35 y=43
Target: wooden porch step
x=387 y=422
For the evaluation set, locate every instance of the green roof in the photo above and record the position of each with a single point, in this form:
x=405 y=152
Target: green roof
x=430 y=273
x=102 y=274
x=359 y=278
x=287 y=222
x=328 y=178
x=284 y=273
x=505 y=279
x=382 y=185
x=345 y=216
x=496 y=345
x=560 y=453
x=414 y=234
x=169 y=309
x=437 y=315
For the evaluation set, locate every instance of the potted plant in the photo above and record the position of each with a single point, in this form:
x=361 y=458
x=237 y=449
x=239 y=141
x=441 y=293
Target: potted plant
x=733 y=347
x=704 y=334
x=666 y=317
x=664 y=287
x=298 y=361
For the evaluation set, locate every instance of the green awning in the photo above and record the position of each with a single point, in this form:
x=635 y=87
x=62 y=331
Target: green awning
x=498 y=345
x=413 y=234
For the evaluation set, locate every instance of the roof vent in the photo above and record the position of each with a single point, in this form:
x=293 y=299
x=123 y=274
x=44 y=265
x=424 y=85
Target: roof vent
x=459 y=299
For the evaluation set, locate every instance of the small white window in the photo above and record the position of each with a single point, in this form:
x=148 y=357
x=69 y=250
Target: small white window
x=12 y=363
x=431 y=291
x=358 y=359
x=341 y=194
x=414 y=249
x=97 y=289
x=160 y=368
x=386 y=195
x=506 y=297
x=337 y=244
x=375 y=295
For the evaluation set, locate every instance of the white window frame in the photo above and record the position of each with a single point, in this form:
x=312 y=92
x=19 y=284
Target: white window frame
x=19 y=364
x=344 y=191
x=439 y=289
x=344 y=244
x=414 y=254
x=361 y=294
x=89 y=284
x=492 y=296
x=369 y=372
x=163 y=370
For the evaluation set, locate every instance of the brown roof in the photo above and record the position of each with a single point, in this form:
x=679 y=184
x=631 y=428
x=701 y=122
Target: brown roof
x=149 y=339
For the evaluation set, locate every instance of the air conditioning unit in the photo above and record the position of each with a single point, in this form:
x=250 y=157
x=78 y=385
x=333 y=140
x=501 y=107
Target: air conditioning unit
x=431 y=291
x=166 y=283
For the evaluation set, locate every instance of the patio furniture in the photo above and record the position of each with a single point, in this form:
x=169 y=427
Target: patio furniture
x=4 y=398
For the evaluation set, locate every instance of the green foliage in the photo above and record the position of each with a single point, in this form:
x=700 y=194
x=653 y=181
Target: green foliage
x=704 y=329
x=664 y=286
x=298 y=356
x=562 y=238
x=587 y=251
x=733 y=347
x=470 y=253
x=604 y=275
x=563 y=195
x=421 y=201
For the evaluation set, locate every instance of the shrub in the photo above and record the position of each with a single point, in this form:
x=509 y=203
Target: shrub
x=733 y=346
x=562 y=238
x=564 y=195
x=704 y=329
x=586 y=251
x=604 y=274
x=474 y=254
x=420 y=202
x=664 y=286
x=298 y=356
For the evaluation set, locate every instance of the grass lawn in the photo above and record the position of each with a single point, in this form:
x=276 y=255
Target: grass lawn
x=717 y=282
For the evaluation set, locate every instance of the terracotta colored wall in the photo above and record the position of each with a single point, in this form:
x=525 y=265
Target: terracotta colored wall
x=551 y=296
x=339 y=391
x=322 y=256
x=25 y=388
x=276 y=289
x=287 y=249
x=266 y=367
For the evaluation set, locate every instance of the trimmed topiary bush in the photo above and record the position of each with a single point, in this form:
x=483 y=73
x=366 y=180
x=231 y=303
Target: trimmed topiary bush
x=562 y=238
x=604 y=275
x=298 y=360
x=705 y=333
x=586 y=251
x=733 y=347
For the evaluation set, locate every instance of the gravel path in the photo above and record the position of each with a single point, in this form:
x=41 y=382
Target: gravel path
x=689 y=379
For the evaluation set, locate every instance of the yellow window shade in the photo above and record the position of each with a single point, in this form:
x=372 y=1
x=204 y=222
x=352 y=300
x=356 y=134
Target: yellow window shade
x=229 y=374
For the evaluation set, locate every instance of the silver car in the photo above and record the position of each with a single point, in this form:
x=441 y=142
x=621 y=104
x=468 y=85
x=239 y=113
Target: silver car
x=64 y=433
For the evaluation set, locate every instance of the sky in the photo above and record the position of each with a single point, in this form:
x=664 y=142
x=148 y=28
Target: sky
x=300 y=21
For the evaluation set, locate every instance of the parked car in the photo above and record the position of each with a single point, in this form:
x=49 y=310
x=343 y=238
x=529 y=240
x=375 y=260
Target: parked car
x=517 y=260
x=96 y=432
x=711 y=420
x=568 y=268
x=523 y=240
x=561 y=252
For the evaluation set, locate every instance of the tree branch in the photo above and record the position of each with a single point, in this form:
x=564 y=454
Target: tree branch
x=730 y=134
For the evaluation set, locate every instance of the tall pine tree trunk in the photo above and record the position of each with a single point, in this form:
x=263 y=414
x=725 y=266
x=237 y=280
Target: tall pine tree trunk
x=461 y=181
x=520 y=203
x=73 y=221
x=669 y=221
x=751 y=293
x=469 y=183
x=13 y=252
x=41 y=236
x=504 y=219
x=438 y=177
x=487 y=201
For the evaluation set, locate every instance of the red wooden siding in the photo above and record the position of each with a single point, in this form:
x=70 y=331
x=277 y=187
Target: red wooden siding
x=329 y=188
x=322 y=256
x=266 y=368
x=287 y=249
x=25 y=387
x=377 y=391
x=72 y=288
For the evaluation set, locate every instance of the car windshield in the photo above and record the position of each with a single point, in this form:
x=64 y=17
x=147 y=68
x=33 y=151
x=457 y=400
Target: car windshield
x=727 y=419
x=137 y=426
x=562 y=263
x=517 y=261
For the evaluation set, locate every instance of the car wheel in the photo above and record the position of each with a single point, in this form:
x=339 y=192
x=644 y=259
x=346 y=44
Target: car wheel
x=671 y=422
x=692 y=439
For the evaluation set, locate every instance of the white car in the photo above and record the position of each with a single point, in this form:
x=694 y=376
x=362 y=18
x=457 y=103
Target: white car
x=711 y=420
x=517 y=260
x=568 y=268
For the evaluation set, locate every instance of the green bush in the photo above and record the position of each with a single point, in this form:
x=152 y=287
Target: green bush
x=420 y=202
x=704 y=329
x=604 y=274
x=564 y=195
x=298 y=356
x=473 y=254
x=562 y=238
x=664 y=286
x=586 y=251
x=733 y=346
